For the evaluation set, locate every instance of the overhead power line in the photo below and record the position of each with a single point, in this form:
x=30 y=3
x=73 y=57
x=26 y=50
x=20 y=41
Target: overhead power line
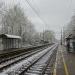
x=36 y=12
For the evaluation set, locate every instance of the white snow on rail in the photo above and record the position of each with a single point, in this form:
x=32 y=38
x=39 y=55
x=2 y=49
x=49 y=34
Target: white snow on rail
x=27 y=61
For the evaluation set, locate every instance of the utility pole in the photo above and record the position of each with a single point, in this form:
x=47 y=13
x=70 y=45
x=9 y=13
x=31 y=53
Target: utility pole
x=61 y=36
x=43 y=34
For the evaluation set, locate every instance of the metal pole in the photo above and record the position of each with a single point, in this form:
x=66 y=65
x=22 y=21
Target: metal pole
x=61 y=37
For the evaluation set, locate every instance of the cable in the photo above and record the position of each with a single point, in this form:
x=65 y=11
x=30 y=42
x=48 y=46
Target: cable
x=36 y=12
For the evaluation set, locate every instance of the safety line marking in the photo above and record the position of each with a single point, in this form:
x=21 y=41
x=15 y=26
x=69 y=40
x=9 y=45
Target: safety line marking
x=65 y=66
x=55 y=66
x=54 y=73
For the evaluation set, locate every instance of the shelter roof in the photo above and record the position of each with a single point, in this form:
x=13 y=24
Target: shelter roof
x=9 y=36
x=71 y=36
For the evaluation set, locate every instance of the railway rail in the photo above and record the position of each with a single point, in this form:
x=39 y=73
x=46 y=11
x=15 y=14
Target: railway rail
x=8 y=62
x=8 y=54
x=40 y=65
x=21 y=54
x=36 y=64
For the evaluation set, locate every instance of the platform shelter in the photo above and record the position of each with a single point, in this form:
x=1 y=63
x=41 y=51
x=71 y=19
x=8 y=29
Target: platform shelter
x=9 y=41
x=70 y=41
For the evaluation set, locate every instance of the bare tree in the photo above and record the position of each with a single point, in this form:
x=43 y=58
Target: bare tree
x=48 y=36
x=16 y=22
x=13 y=20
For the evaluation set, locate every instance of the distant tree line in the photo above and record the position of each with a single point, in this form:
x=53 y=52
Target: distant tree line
x=15 y=22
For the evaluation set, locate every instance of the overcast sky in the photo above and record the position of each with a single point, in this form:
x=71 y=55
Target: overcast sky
x=56 y=13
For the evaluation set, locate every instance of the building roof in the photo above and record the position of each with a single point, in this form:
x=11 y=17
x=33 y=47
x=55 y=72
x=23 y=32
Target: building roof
x=71 y=36
x=9 y=36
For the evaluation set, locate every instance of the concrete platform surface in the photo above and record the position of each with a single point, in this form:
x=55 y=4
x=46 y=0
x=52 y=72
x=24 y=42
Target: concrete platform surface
x=65 y=62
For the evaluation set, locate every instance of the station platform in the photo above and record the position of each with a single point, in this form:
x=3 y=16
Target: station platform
x=65 y=62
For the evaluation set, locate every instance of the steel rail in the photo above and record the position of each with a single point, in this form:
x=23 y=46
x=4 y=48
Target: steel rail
x=22 y=73
x=25 y=51
x=22 y=58
x=7 y=59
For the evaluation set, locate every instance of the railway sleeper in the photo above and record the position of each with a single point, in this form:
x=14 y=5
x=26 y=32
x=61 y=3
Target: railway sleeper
x=30 y=62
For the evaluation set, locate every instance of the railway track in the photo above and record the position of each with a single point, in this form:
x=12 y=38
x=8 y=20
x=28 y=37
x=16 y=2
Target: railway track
x=41 y=66
x=36 y=64
x=6 y=54
x=19 y=55
x=4 y=58
x=14 y=60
